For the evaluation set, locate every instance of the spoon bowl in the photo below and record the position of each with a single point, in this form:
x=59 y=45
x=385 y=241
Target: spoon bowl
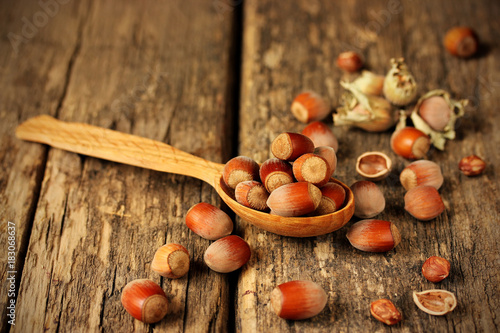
x=150 y=154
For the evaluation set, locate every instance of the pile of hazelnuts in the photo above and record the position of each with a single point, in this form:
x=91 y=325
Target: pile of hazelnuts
x=298 y=182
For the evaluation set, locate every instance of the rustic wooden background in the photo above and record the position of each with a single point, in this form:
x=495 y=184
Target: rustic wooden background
x=216 y=79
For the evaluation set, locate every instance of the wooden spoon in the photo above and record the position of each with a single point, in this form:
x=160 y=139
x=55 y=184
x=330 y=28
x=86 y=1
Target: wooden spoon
x=146 y=153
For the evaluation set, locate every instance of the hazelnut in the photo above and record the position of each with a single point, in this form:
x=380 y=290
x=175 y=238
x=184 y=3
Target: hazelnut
x=369 y=83
x=422 y=172
x=385 y=311
x=171 y=260
x=332 y=200
x=252 y=194
x=436 y=269
x=312 y=168
x=436 y=112
x=227 y=254
x=423 y=203
x=274 y=173
x=309 y=106
x=328 y=153
x=349 y=61
x=289 y=146
x=294 y=199
x=298 y=300
x=238 y=169
x=369 y=200
x=410 y=143
x=208 y=221
x=374 y=235
x=472 y=165
x=461 y=42
x=321 y=135
x=144 y=300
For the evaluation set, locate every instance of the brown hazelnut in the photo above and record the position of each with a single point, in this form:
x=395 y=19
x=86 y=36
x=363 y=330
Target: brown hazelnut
x=349 y=61
x=374 y=235
x=461 y=42
x=436 y=269
x=424 y=202
x=472 y=165
x=309 y=106
x=384 y=310
x=298 y=299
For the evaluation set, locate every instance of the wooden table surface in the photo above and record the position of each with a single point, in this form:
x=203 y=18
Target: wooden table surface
x=216 y=79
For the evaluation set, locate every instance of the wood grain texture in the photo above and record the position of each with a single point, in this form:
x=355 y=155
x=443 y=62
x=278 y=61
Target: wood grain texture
x=290 y=47
x=168 y=71
x=33 y=70
x=98 y=224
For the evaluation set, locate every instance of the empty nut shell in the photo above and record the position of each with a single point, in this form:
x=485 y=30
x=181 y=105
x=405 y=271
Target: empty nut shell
x=436 y=302
x=373 y=165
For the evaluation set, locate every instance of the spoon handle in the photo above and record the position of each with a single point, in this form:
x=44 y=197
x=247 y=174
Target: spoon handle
x=117 y=147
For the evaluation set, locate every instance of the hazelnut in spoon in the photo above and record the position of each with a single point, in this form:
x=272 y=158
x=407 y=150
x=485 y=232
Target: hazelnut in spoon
x=146 y=153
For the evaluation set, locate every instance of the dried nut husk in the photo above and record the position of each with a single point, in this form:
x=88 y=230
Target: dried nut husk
x=368 y=112
x=373 y=165
x=436 y=113
x=436 y=302
x=421 y=172
x=369 y=83
x=400 y=87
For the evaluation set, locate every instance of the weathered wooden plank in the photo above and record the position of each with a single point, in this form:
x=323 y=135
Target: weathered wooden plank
x=158 y=70
x=33 y=80
x=292 y=46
